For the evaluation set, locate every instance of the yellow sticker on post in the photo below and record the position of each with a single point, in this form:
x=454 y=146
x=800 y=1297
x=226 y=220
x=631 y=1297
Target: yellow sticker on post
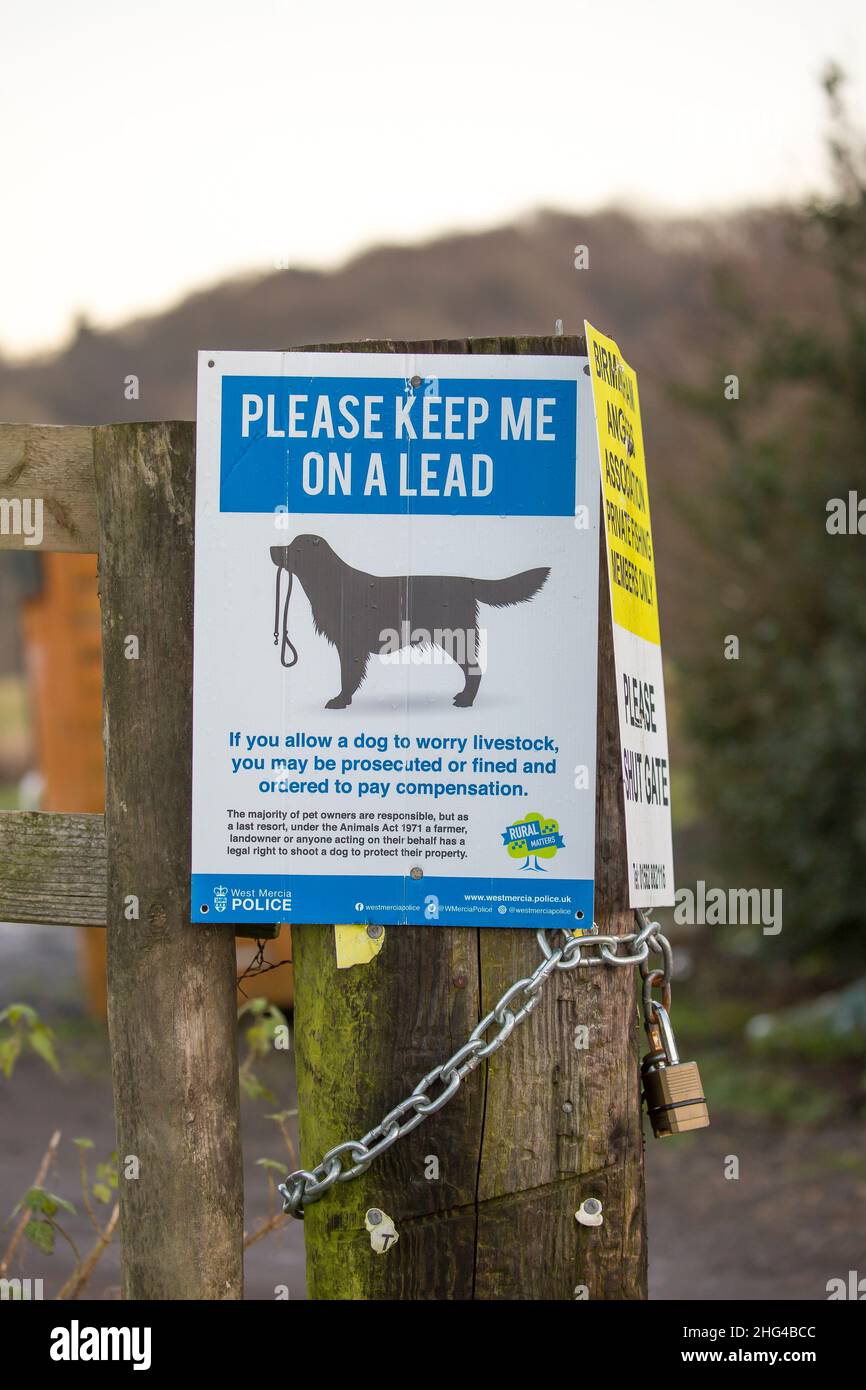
x=636 y=630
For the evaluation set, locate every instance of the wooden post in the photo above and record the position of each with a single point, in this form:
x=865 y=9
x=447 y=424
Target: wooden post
x=531 y=1133
x=171 y=986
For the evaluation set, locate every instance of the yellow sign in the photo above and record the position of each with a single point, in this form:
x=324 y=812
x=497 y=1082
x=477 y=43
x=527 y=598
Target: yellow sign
x=625 y=497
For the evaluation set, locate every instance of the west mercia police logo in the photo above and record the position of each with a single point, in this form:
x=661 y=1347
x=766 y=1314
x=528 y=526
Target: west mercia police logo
x=220 y=897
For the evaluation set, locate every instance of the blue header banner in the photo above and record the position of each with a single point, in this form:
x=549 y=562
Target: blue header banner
x=389 y=445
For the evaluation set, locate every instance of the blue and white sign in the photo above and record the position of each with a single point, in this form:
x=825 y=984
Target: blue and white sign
x=396 y=586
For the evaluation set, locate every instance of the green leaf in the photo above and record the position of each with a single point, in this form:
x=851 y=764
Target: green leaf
x=16 y=1012
x=107 y=1173
x=271 y=1163
x=10 y=1050
x=258 y=1038
x=254 y=1006
x=102 y=1192
x=34 y=1198
x=51 y=1203
x=253 y=1088
x=83 y=1143
x=40 y=1234
x=37 y=1199
x=41 y=1039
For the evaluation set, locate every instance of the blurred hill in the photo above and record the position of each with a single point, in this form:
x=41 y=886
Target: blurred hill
x=651 y=284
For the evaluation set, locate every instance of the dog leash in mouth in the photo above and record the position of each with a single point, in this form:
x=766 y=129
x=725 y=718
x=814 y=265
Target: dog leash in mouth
x=286 y=643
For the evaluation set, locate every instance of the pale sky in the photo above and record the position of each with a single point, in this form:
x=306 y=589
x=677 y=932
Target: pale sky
x=151 y=149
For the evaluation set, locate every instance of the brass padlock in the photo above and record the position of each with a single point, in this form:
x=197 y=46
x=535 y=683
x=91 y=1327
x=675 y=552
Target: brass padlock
x=672 y=1089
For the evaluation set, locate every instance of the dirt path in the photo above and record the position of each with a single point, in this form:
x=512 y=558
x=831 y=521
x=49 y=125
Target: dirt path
x=790 y=1222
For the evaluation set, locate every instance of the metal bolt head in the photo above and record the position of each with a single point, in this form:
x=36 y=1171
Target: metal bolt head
x=374 y=931
x=374 y=1217
x=592 y=1206
x=567 y=1107
x=416 y=381
x=417 y=872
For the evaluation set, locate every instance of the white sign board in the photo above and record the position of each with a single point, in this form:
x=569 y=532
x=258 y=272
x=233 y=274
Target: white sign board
x=636 y=634
x=395 y=639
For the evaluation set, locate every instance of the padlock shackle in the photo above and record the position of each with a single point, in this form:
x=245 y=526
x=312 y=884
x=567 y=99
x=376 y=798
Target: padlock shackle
x=667 y=1033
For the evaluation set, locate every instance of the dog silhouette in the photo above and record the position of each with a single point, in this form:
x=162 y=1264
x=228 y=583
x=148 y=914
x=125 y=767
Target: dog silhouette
x=361 y=614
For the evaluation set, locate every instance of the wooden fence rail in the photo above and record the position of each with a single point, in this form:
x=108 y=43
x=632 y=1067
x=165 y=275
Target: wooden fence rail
x=52 y=869
x=55 y=464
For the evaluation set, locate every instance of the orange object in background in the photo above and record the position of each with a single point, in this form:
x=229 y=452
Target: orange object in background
x=63 y=655
x=63 y=652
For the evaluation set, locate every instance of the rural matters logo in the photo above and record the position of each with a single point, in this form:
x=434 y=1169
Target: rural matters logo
x=531 y=839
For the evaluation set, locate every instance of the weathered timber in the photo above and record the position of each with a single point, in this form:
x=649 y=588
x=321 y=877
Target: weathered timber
x=54 y=464
x=530 y=1134
x=171 y=986
x=563 y=1123
x=52 y=869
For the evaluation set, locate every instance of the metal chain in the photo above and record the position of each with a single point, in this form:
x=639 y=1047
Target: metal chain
x=589 y=948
